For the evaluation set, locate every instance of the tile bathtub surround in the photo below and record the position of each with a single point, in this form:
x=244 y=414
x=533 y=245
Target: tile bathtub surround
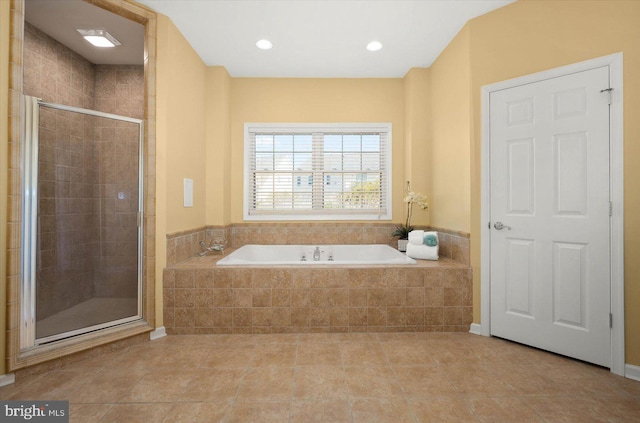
x=183 y=245
x=454 y=245
x=383 y=377
x=200 y=298
x=312 y=233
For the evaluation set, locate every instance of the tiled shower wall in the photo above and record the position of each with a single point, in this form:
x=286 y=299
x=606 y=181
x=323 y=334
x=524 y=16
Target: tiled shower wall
x=67 y=204
x=80 y=157
x=55 y=73
x=118 y=90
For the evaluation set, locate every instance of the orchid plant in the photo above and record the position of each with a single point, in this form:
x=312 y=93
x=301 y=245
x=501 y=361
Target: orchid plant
x=411 y=198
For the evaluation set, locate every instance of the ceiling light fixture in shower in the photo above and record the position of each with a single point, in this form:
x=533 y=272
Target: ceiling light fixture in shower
x=99 y=37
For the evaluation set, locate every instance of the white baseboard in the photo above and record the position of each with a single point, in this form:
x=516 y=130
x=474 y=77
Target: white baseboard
x=158 y=333
x=7 y=379
x=475 y=329
x=632 y=372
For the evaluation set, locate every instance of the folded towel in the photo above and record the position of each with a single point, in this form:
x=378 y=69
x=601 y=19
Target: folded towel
x=422 y=252
x=431 y=240
x=416 y=237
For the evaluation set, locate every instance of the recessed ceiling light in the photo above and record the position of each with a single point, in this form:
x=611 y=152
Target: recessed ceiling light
x=374 y=46
x=99 y=37
x=264 y=44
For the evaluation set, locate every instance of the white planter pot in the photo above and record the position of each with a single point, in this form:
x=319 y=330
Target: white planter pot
x=402 y=244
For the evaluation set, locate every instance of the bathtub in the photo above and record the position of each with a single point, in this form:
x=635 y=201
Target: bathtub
x=250 y=255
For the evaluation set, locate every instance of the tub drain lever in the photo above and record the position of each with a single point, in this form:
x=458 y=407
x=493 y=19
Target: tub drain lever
x=316 y=254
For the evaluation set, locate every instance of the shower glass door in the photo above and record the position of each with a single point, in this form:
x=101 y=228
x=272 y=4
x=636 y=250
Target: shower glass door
x=82 y=225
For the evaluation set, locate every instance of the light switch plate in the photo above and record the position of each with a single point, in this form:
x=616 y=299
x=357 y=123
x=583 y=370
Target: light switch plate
x=188 y=192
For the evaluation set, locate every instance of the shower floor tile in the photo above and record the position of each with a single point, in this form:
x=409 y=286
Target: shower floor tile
x=92 y=312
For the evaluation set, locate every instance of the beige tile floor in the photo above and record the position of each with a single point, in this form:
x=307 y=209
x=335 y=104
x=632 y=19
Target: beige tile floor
x=424 y=377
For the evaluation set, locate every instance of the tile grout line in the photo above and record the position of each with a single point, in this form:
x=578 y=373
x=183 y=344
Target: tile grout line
x=293 y=379
x=344 y=372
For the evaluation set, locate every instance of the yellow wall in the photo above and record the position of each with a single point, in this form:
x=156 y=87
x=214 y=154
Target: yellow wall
x=218 y=102
x=4 y=141
x=417 y=142
x=450 y=135
x=180 y=140
x=520 y=39
x=181 y=105
x=451 y=148
x=314 y=100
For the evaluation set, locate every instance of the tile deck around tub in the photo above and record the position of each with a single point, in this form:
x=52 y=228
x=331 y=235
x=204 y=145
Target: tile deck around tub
x=200 y=298
x=209 y=261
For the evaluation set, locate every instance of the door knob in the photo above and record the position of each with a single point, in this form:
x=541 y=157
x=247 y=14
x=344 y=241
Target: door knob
x=499 y=226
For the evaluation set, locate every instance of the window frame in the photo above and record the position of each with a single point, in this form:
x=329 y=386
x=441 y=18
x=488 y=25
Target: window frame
x=304 y=128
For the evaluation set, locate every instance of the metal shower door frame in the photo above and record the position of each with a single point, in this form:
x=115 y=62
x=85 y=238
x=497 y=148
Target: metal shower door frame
x=31 y=112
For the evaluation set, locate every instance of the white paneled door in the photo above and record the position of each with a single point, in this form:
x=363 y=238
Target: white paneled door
x=550 y=211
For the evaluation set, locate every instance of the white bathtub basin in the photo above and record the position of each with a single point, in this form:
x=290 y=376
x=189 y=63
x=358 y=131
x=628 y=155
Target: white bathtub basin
x=257 y=255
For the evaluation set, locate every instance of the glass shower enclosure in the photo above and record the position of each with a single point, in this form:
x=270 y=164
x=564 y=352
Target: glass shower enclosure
x=82 y=220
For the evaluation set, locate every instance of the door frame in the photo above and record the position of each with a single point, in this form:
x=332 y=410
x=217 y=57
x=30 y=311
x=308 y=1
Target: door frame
x=616 y=186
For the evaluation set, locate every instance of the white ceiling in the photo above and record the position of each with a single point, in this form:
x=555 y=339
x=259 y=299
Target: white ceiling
x=311 y=38
x=60 y=18
x=320 y=38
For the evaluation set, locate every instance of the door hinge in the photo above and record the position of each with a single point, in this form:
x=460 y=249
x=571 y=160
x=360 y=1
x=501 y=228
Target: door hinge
x=609 y=92
x=610 y=321
x=489 y=225
x=610 y=208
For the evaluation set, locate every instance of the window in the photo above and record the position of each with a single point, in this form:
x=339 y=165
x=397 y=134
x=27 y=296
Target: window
x=346 y=168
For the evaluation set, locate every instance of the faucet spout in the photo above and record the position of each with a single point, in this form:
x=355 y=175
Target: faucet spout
x=316 y=254
x=217 y=244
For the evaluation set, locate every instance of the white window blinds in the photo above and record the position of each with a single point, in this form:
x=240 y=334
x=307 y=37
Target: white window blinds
x=317 y=172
